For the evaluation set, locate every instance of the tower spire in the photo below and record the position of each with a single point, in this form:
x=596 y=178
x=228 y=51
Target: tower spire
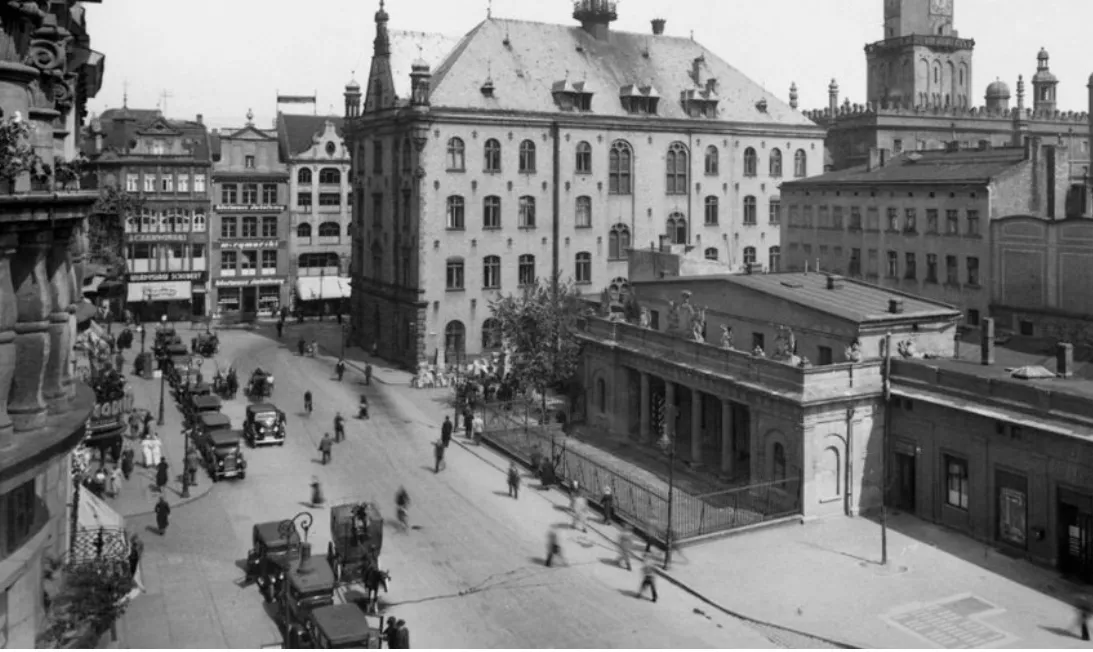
x=382 y=44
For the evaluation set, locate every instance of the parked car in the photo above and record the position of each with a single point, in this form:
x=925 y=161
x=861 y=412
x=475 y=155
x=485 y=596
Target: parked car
x=220 y=446
x=264 y=425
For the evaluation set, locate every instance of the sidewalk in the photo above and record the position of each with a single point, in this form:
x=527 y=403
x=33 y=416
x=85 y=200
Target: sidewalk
x=329 y=336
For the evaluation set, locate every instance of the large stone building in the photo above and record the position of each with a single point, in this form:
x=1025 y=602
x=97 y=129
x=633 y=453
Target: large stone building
x=920 y=95
x=166 y=165
x=528 y=150
x=319 y=203
x=921 y=222
x=249 y=261
x=45 y=83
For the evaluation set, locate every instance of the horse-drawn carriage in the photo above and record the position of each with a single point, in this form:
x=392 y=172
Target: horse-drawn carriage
x=356 y=538
x=226 y=385
x=260 y=384
x=206 y=345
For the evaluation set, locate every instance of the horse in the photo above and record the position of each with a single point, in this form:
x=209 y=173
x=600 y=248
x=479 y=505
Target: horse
x=374 y=578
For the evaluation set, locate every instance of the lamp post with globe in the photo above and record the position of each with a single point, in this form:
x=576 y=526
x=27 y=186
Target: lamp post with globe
x=287 y=530
x=162 y=380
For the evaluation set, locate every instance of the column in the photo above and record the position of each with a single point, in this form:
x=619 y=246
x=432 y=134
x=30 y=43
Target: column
x=643 y=434
x=32 y=294
x=57 y=386
x=696 y=427
x=669 y=411
x=9 y=313
x=77 y=256
x=728 y=447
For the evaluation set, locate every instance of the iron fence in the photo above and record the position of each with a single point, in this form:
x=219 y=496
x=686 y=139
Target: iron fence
x=695 y=516
x=90 y=544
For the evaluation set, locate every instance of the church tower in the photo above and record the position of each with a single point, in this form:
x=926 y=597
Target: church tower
x=1043 y=85
x=380 y=92
x=922 y=61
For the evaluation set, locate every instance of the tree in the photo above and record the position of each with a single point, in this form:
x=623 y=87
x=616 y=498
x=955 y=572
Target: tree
x=539 y=326
x=106 y=226
x=91 y=600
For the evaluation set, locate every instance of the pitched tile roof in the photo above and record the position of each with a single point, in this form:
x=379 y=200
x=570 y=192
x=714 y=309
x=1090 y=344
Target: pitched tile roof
x=537 y=55
x=855 y=301
x=297 y=132
x=925 y=167
x=120 y=126
x=404 y=51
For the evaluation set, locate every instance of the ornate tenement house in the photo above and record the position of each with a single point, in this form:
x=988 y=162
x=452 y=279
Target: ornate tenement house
x=249 y=229
x=319 y=202
x=920 y=96
x=166 y=163
x=47 y=74
x=527 y=150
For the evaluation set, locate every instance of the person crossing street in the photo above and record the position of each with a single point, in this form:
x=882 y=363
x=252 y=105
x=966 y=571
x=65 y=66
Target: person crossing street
x=368 y=373
x=438 y=453
x=280 y=328
x=317 y=498
x=340 y=369
x=326 y=444
x=163 y=514
x=648 y=577
x=625 y=541
x=514 y=480
x=554 y=548
x=308 y=406
x=301 y=346
x=446 y=431
x=339 y=427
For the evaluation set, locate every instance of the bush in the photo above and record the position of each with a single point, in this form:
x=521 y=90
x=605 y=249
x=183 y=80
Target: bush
x=91 y=600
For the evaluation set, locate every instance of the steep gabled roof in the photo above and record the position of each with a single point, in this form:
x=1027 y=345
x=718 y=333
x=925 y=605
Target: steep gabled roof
x=932 y=167
x=434 y=48
x=120 y=126
x=297 y=132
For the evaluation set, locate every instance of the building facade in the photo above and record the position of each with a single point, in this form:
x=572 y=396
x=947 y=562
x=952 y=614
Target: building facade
x=920 y=96
x=612 y=140
x=320 y=205
x=249 y=264
x=921 y=222
x=45 y=84
x=166 y=165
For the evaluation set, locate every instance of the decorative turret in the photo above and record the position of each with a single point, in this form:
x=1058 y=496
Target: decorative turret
x=1020 y=93
x=596 y=16
x=352 y=99
x=420 y=80
x=833 y=97
x=1043 y=85
x=793 y=95
x=250 y=117
x=998 y=96
x=382 y=44
x=1020 y=117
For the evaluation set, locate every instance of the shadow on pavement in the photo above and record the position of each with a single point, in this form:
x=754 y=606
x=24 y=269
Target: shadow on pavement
x=1059 y=631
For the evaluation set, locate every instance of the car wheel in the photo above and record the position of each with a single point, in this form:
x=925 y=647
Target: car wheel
x=281 y=443
x=242 y=475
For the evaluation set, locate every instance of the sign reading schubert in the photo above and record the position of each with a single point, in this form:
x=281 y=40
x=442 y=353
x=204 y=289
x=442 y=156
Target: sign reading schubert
x=166 y=276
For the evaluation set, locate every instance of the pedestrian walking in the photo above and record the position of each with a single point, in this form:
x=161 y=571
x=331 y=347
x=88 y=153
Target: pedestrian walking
x=307 y=402
x=403 y=636
x=648 y=577
x=317 y=498
x=161 y=474
x=280 y=328
x=468 y=422
x=113 y=482
x=390 y=633
x=136 y=551
x=625 y=541
x=554 y=548
x=577 y=506
x=514 y=480
x=339 y=313
x=438 y=453
x=127 y=461
x=193 y=461
x=479 y=428
x=163 y=515
x=446 y=431
x=1085 y=612
x=608 y=503
x=368 y=373
x=340 y=369
x=339 y=427
x=326 y=444
x=301 y=346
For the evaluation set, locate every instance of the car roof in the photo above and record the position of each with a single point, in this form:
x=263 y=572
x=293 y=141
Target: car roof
x=207 y=400
x=269 y=533
x=213 y=419
x=223 y=437
x=342 y=623
x=258 y=408
x=319 y=575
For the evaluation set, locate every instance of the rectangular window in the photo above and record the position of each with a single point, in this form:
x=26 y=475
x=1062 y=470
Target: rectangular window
x=1012 y=508
x=855 y=262
x=167 y=183
x=837 y=217
x=952 y=222
x=269 y=227
x=132 y=183
x=269 y=261
x=229 y=193
x=823 y=217
x=874 y=263
x=149 y=183
x=491 y=272
x=855 y=218
x=893 y=264
x=973 y=317
x=775 y=211
x=303 y=198
x=872 y=218
x=825 y=356
x=951 y=271
x=228 y=225
x=806 y=216
x=199 y=183
x=248 y=261
x=583 y=268
x=269 y=193
x=526 y=270
x=931 y=268
x=377 y=210
x=897 y=146
x=248 y=161
x=250 y=227
x=197 y=251
x=228 y=260
x=184 y=183
x=527 y=213
x=584 y=213
x=377 y=157
x=910 y=266
x=910 y=220
x=455 y=275
x=956 y=482
x=250 y=193
x=893 y=219
x=330 y=199
x=973 y=270
x=758 y=341
x=21 y=505
x=973 y=222
x=794 y=216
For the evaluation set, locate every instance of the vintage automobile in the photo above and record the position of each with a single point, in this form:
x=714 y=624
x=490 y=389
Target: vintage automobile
x=301 y=593
x=226 y=385
x=177 y=368
x=202 y=404
x=356 y=538
x=264 y=425
x=340 y=627
x=164 y=338
x=260 y=384
x=266 y=560
x=206 y=345
x=220 y=446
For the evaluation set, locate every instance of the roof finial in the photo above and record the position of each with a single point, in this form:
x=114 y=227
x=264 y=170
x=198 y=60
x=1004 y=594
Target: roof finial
x=250 y=118
x=125 y=94
x=419 y=51
x=489 y=9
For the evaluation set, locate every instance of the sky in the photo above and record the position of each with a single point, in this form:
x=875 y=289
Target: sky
x=220 y=58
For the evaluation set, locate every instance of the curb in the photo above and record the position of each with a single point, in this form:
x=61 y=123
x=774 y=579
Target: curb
x=180 y=503
x=360 y=369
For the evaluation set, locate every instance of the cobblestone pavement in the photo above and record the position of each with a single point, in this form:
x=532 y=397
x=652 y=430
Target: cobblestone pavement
x=468 y=575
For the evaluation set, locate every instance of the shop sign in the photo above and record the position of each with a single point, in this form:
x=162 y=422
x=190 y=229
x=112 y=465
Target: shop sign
x=159 y=291
x=156 y=237
x=247 y=282
x=198 y=277
x=110 y=414
x=257 y=208
x=250 y=244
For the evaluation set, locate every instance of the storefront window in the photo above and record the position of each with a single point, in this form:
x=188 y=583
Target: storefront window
x=227 y=299
x=269 y=298
x=1012 y=508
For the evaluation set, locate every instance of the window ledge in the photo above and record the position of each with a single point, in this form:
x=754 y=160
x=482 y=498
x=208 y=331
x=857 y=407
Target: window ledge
x=488 y=228
x=491 y=287
x=832 y=499
x=713 y=174
x=456 y=170
x=527 y=228
x=584 y=172
x=527 y=171
x=491 y=171
x=450 y=228
x=583 y=226
x=710 y=224
x=582 y=282
x=455 y=289
x=750 y=224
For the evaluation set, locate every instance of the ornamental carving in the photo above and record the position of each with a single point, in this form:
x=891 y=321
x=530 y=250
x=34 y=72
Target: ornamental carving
x=46 y=55
x=64 y=93
x=419 y=142
x=20 y=20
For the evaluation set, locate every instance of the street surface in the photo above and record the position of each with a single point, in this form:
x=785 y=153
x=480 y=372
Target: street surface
x=468 y=575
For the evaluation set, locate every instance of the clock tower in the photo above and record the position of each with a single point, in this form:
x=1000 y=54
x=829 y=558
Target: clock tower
x=922 y=61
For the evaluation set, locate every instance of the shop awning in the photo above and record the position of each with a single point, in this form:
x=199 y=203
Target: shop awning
x=160 y=291
x=85 y=311
x=94 y=518
x=91 y=284
x=315 y=288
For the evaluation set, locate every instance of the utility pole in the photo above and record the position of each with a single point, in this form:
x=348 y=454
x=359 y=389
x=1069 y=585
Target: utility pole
x=884 y=449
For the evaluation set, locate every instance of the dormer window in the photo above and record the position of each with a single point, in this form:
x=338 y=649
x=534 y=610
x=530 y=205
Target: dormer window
x=572 y=96
x=700 y=103
x=639 y=99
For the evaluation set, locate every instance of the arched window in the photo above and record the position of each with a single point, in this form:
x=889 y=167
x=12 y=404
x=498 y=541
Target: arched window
x=491 y=334
x=713 y=204
x=584 y=212
x=618 y=242
x=677 y=228
x=455 y=212
x=527 y=212
x=619 y=290
x=200 y=221
x=775 y=259
x=493 y=155
x=749 y=210
x=583 y=268
x=304 y=175
x=330 y=175
x=329 y=230
x=676 y=169
x=711 y=253
x=455 y=337
x=303 y=230
x=456 y=154
x=620 y=168
x=778 y=462
x=831 y=473
x=601 y=395
x=749 y=255
x=491 y=212
x=526 y=270
x=712 y=163
x=584 y=158
x=527 y=156
x=751 y=162
x=800 y=161
x=775 y=162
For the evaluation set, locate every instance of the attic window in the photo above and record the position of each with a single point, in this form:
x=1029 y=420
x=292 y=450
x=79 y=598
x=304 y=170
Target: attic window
x=700 y=103
x=761 y=105
x=639 y=99
x=572 y=96
x=487 y=88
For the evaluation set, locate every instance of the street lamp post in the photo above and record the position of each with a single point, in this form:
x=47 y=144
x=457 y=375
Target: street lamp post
x=345 y=336
x=287 y=529
x=669 y=444
x=162 y=380
x=140 y=329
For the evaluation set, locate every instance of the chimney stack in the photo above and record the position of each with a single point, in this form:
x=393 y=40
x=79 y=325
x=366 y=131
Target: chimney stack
x=986 y=334
x=833 y=98
x=834 y=282
x=1064 y=360
x=895 y=306
x=658 y=26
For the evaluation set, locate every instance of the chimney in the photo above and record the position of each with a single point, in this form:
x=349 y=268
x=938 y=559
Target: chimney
x=665 y=243
x=895 y=306
x=833 y=98
x=658 y=26
x=834 y=282
x=200 y=119
x=1064 y=360
x=711 y=85
x=878 y=158
x=986 y=334
x=696 y=69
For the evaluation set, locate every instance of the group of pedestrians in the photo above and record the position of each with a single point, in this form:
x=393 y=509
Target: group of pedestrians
x=396 y=634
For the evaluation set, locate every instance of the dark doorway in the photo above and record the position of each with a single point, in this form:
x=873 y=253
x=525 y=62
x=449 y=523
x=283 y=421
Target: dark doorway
x=1075 y=532
x=198 y=302
x=903 y=483
x=250 y=300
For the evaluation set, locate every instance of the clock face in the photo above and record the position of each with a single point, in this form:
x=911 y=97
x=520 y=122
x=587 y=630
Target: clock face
x=941 y=7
